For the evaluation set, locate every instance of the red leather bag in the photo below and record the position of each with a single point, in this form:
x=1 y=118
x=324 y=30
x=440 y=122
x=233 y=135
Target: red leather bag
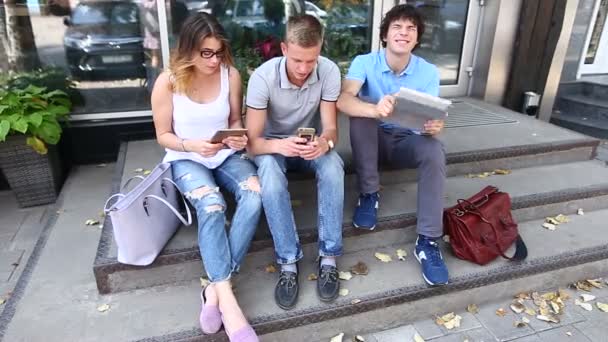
x=481 y=228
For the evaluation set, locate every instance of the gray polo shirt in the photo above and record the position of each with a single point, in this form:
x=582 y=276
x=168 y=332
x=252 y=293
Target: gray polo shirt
x=290 y=106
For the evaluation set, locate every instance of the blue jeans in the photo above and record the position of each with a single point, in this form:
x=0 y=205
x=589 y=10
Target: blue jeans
x=221 y=252
x=329 y=171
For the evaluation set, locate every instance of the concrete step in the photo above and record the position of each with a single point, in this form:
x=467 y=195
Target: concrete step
x=394 y=293
x=536 y=192
x=593 y=89
x=580 y=105
x=597 y=128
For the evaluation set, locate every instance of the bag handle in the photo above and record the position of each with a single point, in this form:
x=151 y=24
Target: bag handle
x=105 y=206
x=521 y=251
x=169 y=205
x=129 y=181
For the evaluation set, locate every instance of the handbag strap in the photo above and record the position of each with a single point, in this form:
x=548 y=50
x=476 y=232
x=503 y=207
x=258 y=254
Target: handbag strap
x=105 y=206
x=188 y=221
x=521 y=251
x=129 y=181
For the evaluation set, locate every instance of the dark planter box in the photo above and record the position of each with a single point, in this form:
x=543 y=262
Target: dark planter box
x=34 y=178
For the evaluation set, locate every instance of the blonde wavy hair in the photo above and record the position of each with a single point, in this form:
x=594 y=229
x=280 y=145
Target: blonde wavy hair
x=196 y=28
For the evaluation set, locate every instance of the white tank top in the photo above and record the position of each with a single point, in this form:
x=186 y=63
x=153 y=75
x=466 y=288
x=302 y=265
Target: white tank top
x=193 y=120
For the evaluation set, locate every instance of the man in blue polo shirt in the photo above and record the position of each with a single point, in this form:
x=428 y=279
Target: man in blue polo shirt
x=367 y=97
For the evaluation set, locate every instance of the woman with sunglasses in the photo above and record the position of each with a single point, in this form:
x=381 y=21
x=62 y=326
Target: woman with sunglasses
x=200 y=94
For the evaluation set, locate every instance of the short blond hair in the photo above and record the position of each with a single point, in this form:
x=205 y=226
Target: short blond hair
x=304 y=30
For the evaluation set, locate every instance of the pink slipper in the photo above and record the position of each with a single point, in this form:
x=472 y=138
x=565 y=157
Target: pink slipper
x=210 y=318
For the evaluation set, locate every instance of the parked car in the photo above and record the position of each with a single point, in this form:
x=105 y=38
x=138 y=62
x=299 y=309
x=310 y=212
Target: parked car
x=103 y=41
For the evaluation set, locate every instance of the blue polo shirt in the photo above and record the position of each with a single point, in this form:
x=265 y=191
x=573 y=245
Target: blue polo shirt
x=379 y=80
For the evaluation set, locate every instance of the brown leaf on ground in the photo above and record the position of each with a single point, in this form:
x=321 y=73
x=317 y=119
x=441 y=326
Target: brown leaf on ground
x=556 y=308
x=530 y=311
x=103 y=308
x=597 y=283
x=2 y=301
x=472 y=308
x=270 y=268
x=561 y=218
x=518 y=307
x=549 y=296
x=360 y=268
x=501 y=312
x=523 y=295
x=204 y=281
x=548 y=318
x=147 y=172
x=552 y=220
x=383 y=257
x=449 y=320
x=563 y=294
x=519 y=324
x=337 y=338
x=312 y=277
x=355 y=301
x=582 y=286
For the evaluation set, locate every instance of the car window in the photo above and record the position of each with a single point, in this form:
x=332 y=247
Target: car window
x=124 y=13
x=89 y=14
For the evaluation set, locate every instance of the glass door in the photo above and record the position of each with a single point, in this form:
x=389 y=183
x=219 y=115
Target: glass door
x=449 y=40
x=595 y=58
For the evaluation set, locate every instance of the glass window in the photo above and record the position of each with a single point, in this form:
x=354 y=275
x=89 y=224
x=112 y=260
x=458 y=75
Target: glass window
x=106 y=51
x=443 y=39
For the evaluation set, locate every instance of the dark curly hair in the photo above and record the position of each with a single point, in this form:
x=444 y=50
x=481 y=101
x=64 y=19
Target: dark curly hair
x=402 y=12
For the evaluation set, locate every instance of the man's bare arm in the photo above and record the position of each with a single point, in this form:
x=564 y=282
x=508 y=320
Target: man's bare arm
x=351 y=105
x=329 y=121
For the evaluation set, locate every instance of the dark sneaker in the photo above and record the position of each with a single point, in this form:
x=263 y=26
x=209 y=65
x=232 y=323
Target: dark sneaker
x=366 y=212
x=428 y=255
x=328 y=284
x=286 y=291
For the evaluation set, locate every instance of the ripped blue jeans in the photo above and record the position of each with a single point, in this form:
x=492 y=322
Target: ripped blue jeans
x=221 y=251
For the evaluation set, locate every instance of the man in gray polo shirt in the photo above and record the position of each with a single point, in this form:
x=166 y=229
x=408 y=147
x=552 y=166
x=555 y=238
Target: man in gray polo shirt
x=284 y=94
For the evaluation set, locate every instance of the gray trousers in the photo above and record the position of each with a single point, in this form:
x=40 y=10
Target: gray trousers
x=400 y=148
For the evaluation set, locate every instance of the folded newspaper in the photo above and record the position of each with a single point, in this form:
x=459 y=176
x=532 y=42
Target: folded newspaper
x=414 y=108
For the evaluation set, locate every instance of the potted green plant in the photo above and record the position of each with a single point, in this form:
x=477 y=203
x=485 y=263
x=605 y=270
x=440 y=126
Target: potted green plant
x=30 y=126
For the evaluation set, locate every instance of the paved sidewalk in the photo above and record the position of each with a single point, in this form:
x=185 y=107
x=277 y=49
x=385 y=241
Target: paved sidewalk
x=19 y=231
x=576 y=324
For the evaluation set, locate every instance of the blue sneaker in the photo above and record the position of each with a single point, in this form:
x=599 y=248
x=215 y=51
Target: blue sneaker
x=366 y=212
x=428 y=255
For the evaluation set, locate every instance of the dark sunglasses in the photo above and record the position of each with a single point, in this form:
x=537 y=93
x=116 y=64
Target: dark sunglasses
x=210 y=53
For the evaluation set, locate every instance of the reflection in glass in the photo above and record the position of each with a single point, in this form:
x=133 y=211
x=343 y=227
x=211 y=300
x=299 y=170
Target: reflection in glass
x=596 y=35
x=443 y=39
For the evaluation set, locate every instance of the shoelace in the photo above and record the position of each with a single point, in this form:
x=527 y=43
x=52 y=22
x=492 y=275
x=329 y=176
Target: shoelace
x=434 y=256
x=287 y=278
x=328 y=274
x=369 y=200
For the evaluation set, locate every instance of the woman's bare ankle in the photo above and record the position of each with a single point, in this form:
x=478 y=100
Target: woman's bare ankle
x=211 y=297
x=232 y=316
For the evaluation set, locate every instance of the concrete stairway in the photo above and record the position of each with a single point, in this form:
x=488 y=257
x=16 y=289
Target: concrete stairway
x=553 y=172
x=583 y=107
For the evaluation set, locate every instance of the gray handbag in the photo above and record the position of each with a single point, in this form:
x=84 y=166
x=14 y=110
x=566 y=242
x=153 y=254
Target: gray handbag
x=145 y=218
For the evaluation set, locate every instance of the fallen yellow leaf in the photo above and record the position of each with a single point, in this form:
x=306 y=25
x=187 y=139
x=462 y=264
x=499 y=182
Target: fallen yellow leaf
x=453 y=323
x=602 y=306
x=585 y=306
x=355 y=301
x=401 y=254
x=91 y=222
x=519 y=324
x=2 y=301
x=358 y=338
x=345 y=275
x=312 y=276
x=530 y=312
x=204 y=281
x=147 y=172
x=383 y=257
x=597 y=283
x=549 y=226
x=472 y=308
x=552 y=221
x=103 y=308
x=501 y=312
x=344 y=292
x=337 y=338
x=548 y=318
x=561 y=218
x=502 y=172
x=138 y=170
x=522 y=295
x=518 y=307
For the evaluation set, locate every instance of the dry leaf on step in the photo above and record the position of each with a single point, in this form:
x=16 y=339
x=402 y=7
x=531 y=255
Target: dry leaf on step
x=585 y=306
x=446 y=238
x=472 y=308
x=530 y=312
x=568 y=333
x=360 y=269
x=587 y=297
x=549 y=226
x=518 y=307
x=204 y=281
x=358 y=338
x=597 y=283
x=344 y=292
x=138 y=170
x=355 y=301
x=552 y=221
x=103 y=308
x=147 y=172
x=453 y=323
x=91 y=222
x=523 y=295
x=548 y=318
x=556 y=308
x=563 y=294
x=337 y=338
x=501 y=312
x=502 y=172
x=312 y=276
x=561 y=218
x=582 y=285
x=418 y=338
x=401 y=254
x=602 y=306
x=525 y=320
x=519 y=324
x=549 y=296
x=345 y=275
x=383 y=257
x=580 y=212
x=270 y=268
x=2 y=301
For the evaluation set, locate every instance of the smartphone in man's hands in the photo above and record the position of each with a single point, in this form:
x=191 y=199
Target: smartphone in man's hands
x=307 y=133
